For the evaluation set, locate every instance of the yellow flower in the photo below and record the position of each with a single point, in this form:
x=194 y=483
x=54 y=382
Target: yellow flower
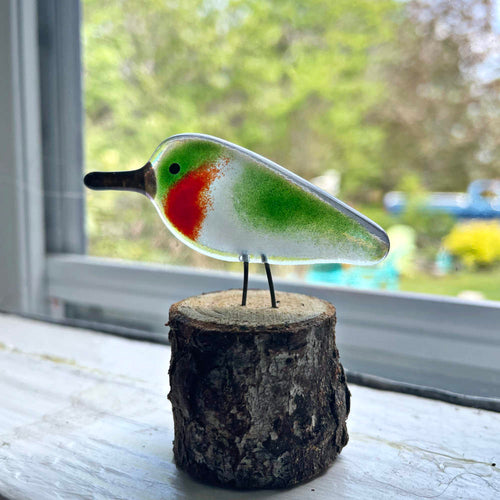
x=476 y=243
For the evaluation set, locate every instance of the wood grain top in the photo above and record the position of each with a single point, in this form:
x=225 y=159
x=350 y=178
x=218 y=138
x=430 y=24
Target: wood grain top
x=224 y=308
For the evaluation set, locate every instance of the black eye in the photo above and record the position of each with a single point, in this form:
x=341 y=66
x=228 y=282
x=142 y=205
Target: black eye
x=174 y=168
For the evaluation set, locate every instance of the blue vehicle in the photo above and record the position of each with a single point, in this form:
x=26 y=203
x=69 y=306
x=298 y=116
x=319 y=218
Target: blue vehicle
x=481 y=201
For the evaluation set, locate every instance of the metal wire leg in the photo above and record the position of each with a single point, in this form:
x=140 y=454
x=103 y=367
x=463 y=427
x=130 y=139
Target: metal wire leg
x=270 y=281
x=245 y=283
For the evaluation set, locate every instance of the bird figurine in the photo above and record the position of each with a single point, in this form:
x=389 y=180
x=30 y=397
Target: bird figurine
x=232 y=204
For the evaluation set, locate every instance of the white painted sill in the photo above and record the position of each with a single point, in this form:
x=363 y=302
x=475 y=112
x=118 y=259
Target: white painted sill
x=86 y=415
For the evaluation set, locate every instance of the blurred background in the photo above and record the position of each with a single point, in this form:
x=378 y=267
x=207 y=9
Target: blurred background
x=392 y=106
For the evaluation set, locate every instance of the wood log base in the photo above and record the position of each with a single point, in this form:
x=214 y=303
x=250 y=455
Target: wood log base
x=259 y=396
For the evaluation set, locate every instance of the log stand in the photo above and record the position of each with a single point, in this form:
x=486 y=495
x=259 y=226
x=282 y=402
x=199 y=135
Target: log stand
x=259 y=396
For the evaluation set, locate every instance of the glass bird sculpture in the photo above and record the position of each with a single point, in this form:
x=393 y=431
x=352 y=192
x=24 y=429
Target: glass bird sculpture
x=235 y=205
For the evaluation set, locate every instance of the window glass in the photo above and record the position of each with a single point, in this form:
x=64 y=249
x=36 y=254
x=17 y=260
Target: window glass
x=391 y=106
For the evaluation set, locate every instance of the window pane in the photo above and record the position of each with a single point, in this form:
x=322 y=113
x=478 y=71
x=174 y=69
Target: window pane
x=391 y=106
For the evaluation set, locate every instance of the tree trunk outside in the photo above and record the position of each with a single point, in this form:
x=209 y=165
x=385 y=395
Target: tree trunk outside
x=259 y=396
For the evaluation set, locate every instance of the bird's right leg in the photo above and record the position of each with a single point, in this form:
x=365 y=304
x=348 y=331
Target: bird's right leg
x=270 y=281
x=245 y=279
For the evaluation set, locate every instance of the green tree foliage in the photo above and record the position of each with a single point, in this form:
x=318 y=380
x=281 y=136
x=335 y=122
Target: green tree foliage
x=287 y=79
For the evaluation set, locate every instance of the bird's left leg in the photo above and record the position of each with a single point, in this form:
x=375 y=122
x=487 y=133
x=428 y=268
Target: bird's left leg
x=269 y=281
x=244 y=257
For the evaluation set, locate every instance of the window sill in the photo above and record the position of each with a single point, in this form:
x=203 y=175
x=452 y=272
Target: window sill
x=86 y=414
x=426 y=340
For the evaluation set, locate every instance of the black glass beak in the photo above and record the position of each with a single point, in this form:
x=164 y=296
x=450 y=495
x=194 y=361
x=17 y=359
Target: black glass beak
x=142 y=180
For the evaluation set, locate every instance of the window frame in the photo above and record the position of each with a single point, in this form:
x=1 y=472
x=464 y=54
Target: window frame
x=428 y=340
x=22 y=252
x=62 y=122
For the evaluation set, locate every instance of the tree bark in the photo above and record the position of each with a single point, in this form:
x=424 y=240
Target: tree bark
x=259 y=396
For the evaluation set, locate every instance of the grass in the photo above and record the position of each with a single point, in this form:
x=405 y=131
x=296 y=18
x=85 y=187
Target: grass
x=485 y=281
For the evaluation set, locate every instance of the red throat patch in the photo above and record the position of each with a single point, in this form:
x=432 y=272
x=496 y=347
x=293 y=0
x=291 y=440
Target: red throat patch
x=188 y=201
